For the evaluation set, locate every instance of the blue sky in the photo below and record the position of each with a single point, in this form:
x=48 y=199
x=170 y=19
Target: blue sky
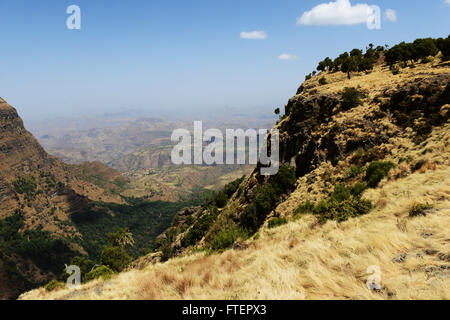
x=179 y=56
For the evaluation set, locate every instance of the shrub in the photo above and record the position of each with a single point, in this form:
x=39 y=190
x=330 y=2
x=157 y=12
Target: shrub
x=358 y=189
x=102 y=272
x=354 y=171
x=227 y=237
x=376 y=172
x=323 y=81
x=25 y=185
x=116 y=258
x=351 y=98
x=306 y=207
x=419 y=209
x=395 y=71
x=341 y=211
x=363 y=156
x=54 y=285
x=276 y=222
x=341 y=193
x=84 y=265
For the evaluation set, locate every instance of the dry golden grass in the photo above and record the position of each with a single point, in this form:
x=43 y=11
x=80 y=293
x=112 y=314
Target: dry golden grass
x=297 y=262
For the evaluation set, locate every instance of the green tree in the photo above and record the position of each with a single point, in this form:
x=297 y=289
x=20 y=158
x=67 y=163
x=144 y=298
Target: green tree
x=116 y=258
x=121 y=238
x=351 y=98
x=349 y=65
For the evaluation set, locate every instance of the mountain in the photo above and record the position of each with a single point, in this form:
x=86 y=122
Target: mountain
x=361 y=194
x=52 y=212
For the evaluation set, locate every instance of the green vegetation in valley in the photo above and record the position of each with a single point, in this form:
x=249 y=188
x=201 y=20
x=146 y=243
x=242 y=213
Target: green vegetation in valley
x=146 y=220
x=48 y=253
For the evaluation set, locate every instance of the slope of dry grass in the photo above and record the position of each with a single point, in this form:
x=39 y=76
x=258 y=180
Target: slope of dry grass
x=302 y=260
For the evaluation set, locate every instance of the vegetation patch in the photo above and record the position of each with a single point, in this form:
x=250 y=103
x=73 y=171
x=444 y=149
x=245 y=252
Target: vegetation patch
x=227 y=237
x=102 y=272
x=146 y=220
x=54 y=285
x=419 y=209
x=351 y=98
x=26 y=186
x=276 y=222
x=323 y=81
x=344 y=203
x=265 y=197
x=377 y=171
x=200 y=228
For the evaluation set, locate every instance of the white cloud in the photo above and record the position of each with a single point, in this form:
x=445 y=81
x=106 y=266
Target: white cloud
x=287 y=57
x=391 y=15
x=340 y=12
x=254 y=35
x=447 y=2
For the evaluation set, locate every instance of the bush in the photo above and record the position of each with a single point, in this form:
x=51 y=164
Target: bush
x=306 y=207
x=354 y=171
x=84 y=265
x=395 y=71
x=341 y=193
x=226 y=238
x=358 y=189
x=377 y=171
x=351 y=98
x=323 y=81
x=444 y=46
x=419 y=209
x=116 y=258
x=102 y=272
x=26 y=186
x=341 y=211
x=54 y=285
x=276 y=222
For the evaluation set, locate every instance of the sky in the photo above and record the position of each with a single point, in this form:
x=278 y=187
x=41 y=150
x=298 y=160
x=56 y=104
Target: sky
x=182 y=56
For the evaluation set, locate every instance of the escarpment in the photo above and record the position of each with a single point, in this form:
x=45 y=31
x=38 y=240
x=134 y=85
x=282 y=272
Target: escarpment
x=329 y=136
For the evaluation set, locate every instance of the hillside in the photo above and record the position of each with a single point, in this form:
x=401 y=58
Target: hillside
x=365 y=156
x=51 y=211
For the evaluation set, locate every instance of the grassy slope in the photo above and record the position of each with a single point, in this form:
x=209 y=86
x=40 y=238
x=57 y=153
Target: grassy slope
x=302 y=260
x=298 y=261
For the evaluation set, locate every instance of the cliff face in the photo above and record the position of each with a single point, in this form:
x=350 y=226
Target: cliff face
x=329 y=142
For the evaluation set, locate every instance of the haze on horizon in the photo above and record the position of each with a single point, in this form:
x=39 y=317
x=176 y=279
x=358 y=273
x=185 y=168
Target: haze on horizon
x=184 y=57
